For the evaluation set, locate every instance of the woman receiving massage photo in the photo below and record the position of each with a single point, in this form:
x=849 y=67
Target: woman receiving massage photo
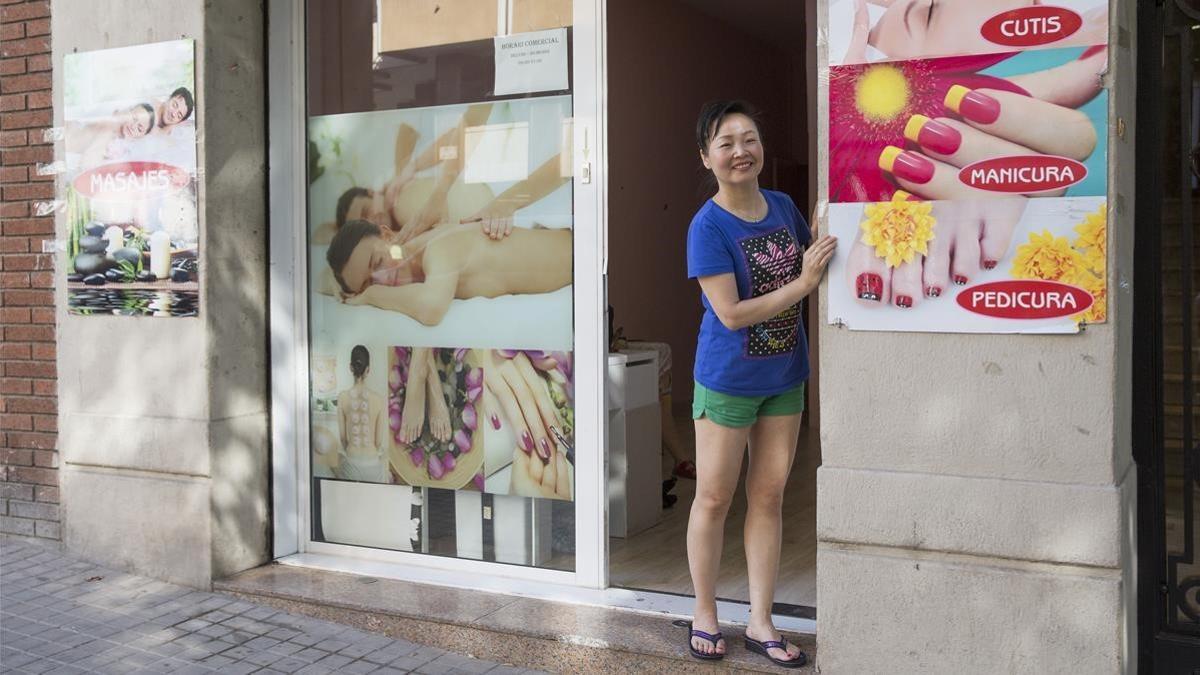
x=755 y=259
x=361 y=425
x=422 y=277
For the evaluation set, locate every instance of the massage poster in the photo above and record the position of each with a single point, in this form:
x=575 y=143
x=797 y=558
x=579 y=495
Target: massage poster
x=968 y=165
x=130 y=189
x=440 y=297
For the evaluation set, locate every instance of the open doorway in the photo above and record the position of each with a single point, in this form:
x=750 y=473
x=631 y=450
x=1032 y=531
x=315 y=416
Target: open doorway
x=665 y=59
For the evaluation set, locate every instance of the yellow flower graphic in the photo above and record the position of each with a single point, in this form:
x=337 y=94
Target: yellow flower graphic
x=1093 y=240
x=1097 y=285
x=898 y=230
x=1047 y=257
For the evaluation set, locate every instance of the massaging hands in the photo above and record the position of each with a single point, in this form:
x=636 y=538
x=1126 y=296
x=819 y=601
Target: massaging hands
x=496 y=220
x=531 y=479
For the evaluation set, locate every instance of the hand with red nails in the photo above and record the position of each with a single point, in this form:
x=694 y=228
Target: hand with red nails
x=519 y=395
x=970 y=238
x=984 y=124
x=530 y=478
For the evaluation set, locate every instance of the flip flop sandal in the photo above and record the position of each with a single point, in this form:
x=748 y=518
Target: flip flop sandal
x=712 y=638
x=763 y=647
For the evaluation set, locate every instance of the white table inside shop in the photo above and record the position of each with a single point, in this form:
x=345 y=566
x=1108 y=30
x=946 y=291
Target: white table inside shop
x=634 y=443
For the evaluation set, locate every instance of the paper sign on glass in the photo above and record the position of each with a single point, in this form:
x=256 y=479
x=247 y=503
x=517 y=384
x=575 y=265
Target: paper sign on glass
x=531 y=62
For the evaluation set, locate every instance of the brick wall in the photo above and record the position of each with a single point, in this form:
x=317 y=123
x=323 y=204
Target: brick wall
x=28 y=398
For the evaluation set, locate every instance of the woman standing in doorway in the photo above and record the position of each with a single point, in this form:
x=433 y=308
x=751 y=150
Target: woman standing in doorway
x=755 y=259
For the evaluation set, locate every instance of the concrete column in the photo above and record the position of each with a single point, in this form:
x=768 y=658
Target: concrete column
x=164 y=422
x=975 y=502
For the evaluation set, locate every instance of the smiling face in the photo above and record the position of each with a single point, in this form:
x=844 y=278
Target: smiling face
x=174 y=111
x=136 y=122
x=371 y=209
x=915 y=28
x=735 y=152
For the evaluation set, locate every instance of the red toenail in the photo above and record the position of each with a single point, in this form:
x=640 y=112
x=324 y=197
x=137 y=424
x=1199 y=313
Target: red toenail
x=960 y=280
x=904 y=301
x=870 y=287
x=989 y=264
x=933 y=292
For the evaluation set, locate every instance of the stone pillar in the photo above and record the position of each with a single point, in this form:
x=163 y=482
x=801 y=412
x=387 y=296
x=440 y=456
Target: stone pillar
x=164 y=422
x=975 y=502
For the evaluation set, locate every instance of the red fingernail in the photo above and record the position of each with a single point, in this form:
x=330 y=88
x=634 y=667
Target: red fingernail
x=495 y=422
x=933 y=292
x=907 y=165
x=544 y=452
x=526 y=442
x=870 y=287
x=904 y=301
x=989 y=264
x=960 y=280
x=933 y=135
x=977 y=107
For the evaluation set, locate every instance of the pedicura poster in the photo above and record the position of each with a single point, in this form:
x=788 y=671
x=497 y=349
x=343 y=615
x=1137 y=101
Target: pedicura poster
x=995 y=266
x=130 y=188
x=1031 y=123
x=865 y=31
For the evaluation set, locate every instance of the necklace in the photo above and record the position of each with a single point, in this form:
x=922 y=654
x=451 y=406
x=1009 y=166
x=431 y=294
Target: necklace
x=748 y=218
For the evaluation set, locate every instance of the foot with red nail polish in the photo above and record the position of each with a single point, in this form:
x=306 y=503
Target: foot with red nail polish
x=970 y=238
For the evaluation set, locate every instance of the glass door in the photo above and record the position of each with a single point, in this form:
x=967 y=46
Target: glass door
x=447 y=286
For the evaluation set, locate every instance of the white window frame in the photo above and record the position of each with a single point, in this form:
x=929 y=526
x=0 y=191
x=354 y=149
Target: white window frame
x=290 y=347
x=588 y=584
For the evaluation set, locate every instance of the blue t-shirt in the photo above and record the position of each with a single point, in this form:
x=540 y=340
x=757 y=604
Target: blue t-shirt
x=767 y=358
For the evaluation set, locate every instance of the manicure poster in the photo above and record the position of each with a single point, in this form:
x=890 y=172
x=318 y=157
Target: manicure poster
x=130 y=189
x=968 y=156
x=440 y=298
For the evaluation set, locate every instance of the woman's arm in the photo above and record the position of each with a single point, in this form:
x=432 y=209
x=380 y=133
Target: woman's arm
x=545 y=179
x=735 y=313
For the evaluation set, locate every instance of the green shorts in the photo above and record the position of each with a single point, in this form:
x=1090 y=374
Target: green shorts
x=742 y=411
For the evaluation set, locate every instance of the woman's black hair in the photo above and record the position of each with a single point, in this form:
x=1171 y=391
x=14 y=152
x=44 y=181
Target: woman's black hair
x=344 y=202
x=360 y=358
x=149 y=109
x=715 y=112
x=343 y=244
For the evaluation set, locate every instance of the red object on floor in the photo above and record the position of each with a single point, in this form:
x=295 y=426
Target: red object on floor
x=685 y=469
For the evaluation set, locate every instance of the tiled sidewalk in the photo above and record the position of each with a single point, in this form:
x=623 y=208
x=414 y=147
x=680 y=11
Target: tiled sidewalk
x=61 y=615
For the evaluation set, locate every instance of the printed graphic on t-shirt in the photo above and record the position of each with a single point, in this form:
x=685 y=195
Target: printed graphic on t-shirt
x=773 y=260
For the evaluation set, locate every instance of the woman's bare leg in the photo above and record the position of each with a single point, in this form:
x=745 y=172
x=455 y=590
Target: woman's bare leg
x=772 y=448
x=719 y=453
x=439 y=414
x=412 y=422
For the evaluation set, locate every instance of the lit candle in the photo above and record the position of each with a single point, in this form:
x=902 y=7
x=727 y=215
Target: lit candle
x=160 y=254
x=115 y=237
